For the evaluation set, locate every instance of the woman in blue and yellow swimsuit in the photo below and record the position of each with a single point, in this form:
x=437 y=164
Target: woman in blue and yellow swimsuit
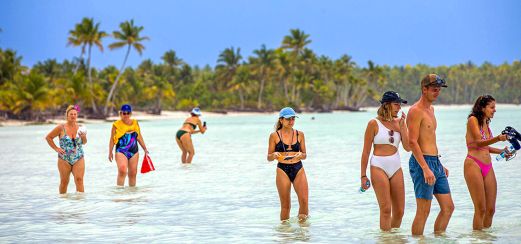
x=183 y=135
x=126 y=134
x=288 y=146
x=70 y=151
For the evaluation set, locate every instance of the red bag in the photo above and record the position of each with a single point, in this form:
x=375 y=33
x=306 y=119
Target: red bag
x=147 y=165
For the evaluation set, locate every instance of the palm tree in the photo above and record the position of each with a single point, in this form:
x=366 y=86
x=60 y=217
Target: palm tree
x=86 y=34
x=264 y=62
x=171 y=59
x=129 y=35
x=10 y=64
x=227 y=64
x=296 y=41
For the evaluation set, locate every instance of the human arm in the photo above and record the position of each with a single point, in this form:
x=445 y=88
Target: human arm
x=404 y=132
x=141 y=141
x=83 y=135
x=111 y=143
x=370 y=131
x=202 y=128
x=272 y=155
x=50 y=139
x=475 y=133
x=302 y=154
x=414 y=120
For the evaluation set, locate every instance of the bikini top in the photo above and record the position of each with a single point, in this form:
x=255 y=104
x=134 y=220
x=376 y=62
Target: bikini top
x=282 y=147
x=384 y=135
x=193 y=125
x=122 y=129
x=483 y=137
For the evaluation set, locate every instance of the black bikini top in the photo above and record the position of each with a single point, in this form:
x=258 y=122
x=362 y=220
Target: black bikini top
x=282 y=147
x=193 y=126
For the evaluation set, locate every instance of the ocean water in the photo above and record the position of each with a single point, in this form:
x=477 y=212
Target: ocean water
x=228 y=194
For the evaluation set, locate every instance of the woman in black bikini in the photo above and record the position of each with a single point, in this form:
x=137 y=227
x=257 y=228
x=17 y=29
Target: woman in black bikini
x=183 y=135
x=288 y=147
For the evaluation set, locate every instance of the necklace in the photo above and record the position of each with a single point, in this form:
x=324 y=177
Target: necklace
x=289 y=144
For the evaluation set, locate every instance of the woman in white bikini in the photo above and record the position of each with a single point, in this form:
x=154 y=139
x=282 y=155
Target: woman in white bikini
x=385 y=133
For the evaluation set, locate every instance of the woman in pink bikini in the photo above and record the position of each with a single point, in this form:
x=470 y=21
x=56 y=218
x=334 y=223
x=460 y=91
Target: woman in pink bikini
x=478 y=170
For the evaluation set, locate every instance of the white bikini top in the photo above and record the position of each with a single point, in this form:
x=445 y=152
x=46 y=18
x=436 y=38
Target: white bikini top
x=384 y=136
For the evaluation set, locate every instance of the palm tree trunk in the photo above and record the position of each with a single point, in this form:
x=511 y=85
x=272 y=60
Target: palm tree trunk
x=111 y=93
x=92 y=97
x=81 y=58
x=259 y=101
x=241 y=96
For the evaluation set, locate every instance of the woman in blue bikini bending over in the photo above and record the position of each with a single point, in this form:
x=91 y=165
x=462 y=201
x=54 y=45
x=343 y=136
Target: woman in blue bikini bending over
x=126 y=134
x=183 y=136
x=384 y=134
x=70 y=153
x=288 y=147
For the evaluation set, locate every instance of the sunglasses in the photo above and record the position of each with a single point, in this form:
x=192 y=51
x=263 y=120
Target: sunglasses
x=391 y=134
x=438 y=82
x=290 y=118
x=126 y=113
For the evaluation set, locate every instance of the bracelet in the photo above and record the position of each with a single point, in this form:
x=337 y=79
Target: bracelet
x=363 y=176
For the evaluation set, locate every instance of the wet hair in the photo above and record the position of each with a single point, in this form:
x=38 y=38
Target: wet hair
x=385 y=111
x=479 y=105
x=69 y=108
x=278 y=125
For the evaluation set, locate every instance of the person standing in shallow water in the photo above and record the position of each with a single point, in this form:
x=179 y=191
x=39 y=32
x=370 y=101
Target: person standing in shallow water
x=126 y=134
x=288 y=147
x=477 y=168
x=428 y=175
x=70 y=153
x=183 y=136
x=385 y=133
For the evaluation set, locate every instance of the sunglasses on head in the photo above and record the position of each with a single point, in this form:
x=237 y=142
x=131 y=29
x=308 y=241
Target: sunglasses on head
x=290 y=118
x=438 y=82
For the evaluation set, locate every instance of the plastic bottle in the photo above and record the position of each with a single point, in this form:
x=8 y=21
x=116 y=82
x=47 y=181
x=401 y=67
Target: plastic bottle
x=501 y=156
x=367 y=183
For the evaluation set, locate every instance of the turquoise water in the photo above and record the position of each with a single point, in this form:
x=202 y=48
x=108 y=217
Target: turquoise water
x=228 y=195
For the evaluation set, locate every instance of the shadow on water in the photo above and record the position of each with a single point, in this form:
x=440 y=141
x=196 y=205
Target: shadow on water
x=393 y=236
x=293 y=230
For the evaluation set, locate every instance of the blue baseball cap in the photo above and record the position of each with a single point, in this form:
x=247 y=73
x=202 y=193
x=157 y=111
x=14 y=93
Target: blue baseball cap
x=126 y=108
x=287 y=112
x=196 y=111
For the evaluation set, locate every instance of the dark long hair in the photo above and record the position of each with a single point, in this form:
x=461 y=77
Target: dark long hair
x=479 y=105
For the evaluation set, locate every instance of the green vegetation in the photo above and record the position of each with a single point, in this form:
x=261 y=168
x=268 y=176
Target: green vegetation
x=289 y=75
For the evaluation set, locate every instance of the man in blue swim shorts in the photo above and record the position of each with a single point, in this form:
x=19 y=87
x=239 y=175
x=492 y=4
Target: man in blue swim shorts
x=428 y=174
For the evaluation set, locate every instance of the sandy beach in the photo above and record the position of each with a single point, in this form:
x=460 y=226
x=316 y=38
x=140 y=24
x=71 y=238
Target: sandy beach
x=166 y=115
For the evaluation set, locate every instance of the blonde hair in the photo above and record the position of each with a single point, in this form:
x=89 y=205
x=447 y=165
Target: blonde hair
x=278 y=125
x=69 y=108
x=385 y=112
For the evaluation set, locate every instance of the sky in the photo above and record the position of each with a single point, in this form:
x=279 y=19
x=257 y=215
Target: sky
x=432 y=32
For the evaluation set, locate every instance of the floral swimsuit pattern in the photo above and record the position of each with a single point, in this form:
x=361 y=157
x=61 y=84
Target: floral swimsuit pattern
x=72 y=147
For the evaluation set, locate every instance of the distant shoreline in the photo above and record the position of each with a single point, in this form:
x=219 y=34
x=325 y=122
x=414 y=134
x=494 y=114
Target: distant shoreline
x=166 y=115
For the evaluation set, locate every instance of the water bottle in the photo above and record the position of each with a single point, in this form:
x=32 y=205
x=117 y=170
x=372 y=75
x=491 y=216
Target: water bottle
x=367 y=183
x=509 y=149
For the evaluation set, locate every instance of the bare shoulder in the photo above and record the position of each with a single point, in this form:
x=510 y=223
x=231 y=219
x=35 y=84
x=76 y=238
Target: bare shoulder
x=300 y=133
x=472 y=120
x=372 y=123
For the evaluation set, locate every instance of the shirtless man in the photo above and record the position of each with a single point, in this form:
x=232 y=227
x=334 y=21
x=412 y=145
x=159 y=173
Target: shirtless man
x=428 y=174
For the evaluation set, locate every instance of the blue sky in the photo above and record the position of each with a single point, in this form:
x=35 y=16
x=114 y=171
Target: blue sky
x=442 y=32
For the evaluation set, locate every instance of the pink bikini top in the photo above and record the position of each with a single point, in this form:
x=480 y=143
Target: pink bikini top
x=483 y=137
